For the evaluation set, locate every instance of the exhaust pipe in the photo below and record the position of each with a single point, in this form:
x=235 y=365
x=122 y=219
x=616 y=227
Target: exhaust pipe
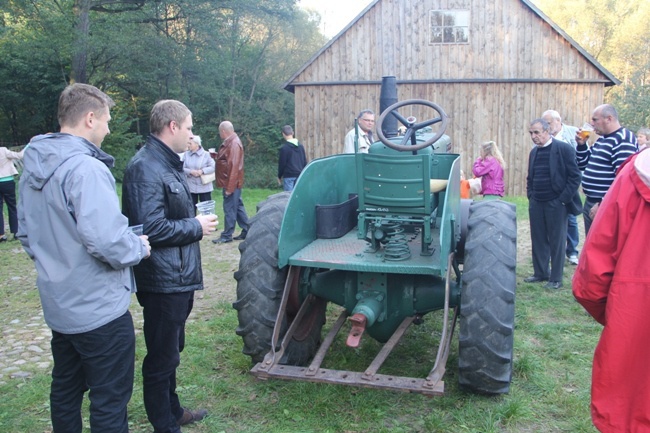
x=388 y=97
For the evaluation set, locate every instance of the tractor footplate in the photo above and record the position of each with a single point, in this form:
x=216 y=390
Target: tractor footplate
x=369 y=378
x=342 y=377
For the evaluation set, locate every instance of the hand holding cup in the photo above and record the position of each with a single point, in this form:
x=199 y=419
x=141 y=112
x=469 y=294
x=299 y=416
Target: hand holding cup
x=584 y=133
x=137 y=230
x=208 y=223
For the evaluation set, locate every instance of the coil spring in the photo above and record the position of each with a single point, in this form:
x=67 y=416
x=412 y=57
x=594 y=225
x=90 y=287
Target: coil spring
x=397 y=247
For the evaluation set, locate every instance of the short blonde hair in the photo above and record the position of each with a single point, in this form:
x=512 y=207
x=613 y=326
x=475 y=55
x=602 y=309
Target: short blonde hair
x=78 y=99
x=166 y=111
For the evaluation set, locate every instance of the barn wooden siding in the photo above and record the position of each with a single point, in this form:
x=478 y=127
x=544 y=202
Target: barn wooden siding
x=515 y=66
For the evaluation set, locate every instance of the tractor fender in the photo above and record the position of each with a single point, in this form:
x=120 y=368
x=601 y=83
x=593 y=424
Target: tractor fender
x=465 y=203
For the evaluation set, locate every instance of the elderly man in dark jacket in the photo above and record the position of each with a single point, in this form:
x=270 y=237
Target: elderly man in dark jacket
x=552 y=188
x=155 y=194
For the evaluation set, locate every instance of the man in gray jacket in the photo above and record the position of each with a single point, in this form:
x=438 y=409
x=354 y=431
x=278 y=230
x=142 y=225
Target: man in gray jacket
x=71 y=225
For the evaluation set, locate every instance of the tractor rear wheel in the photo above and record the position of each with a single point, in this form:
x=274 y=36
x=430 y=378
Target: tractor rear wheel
x=260 y=285
x=487 y=305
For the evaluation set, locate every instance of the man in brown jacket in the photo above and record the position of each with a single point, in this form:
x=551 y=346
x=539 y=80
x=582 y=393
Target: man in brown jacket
x=230 y=177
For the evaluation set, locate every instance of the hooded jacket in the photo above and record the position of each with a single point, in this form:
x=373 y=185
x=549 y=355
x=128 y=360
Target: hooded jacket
x=155 y=194
x=70 y=224
x=612 y=282
x=292 y=159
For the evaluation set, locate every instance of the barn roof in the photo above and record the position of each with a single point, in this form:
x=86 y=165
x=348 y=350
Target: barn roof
x=289 y=85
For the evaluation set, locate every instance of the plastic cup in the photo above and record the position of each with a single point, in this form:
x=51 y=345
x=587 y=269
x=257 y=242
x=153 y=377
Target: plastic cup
x=206 y=207
x=137 y=229
x=586 y=131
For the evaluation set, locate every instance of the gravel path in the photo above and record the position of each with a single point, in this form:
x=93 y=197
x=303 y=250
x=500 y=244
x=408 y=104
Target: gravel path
x=25 y=340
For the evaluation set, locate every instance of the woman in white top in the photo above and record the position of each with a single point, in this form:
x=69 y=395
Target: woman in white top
x=8 y=190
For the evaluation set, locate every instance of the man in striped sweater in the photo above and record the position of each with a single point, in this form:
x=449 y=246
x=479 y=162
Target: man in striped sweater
x=601 y=161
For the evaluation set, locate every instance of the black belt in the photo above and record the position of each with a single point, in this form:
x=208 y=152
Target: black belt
x=594 y=200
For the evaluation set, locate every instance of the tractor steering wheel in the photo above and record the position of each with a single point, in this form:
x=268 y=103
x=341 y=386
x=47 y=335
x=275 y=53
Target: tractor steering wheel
x=412 y=126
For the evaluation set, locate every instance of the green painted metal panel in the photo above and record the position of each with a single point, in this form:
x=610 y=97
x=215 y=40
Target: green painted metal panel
x=396 y=184
x=324 y=181
x=329 y=181
x=450 y=221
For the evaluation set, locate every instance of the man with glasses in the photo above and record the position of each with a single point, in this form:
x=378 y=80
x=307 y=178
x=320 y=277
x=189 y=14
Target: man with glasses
x=366 y=122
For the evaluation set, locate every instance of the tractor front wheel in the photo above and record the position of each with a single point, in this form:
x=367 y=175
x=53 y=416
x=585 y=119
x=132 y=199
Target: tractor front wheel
x=487 y=305
x=260 y=285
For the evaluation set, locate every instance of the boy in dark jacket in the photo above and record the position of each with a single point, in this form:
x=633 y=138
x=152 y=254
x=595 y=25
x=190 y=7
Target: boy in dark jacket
x=292 y=159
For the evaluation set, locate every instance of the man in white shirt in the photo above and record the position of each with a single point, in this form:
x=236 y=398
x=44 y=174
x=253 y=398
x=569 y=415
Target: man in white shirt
x=366 y=122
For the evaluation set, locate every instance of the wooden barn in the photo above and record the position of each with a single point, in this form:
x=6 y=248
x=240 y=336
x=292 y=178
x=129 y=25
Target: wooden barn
x=493 y=66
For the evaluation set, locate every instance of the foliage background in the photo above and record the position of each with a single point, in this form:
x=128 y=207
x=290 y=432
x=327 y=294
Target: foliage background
x=224 y=59
x=227 y=59
x=617 y=34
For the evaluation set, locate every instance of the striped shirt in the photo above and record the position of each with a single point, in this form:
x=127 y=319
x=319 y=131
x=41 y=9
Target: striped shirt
x=600 y=162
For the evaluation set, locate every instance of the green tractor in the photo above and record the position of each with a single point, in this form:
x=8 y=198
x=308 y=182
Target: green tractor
x=386 y=236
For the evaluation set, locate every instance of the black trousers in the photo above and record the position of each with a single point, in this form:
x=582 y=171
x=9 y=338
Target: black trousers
x=8 y=195
x=201 y=196
x=586 y=209
x=164 y=334
x=548 y=226
x=102 y=361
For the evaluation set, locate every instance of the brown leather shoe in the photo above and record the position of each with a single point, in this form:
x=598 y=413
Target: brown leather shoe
x=190 y=416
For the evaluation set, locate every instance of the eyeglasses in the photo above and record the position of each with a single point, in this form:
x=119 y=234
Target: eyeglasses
x=368 y=120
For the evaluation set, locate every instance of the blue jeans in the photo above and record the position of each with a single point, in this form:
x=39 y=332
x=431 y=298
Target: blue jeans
x=288 y=183
x=572 y=236
x=234 y=213
x=102 y=361
x=164 y=335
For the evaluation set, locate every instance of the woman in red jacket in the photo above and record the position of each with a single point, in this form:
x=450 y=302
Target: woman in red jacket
x=612 y=282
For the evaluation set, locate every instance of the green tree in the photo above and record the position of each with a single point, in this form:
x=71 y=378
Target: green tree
x=616 y=33
x=225 y=59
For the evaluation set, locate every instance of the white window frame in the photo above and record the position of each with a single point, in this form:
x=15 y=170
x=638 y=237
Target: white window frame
x=449 y=26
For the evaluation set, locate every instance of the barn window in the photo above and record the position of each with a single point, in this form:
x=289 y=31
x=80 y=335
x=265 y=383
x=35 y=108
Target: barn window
x=449 y=27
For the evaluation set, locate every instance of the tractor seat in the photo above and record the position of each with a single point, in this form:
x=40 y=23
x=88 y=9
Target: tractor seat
x=395 y=184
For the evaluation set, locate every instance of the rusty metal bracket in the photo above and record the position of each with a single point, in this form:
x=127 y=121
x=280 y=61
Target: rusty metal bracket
x=274 y=356
x=369 y=378
x=446 y=335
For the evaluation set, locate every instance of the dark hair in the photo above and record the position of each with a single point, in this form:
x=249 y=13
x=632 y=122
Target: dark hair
x=366 y=111
x=544 y=123
x=78 y=99
x=287 y=130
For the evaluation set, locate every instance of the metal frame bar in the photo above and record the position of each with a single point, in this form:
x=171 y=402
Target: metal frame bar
x=431 y=385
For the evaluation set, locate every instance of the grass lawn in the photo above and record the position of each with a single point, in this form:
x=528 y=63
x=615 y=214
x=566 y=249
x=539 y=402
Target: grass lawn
x=554 y=343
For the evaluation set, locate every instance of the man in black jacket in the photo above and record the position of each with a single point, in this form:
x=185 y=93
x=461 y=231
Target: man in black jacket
x=156 y=195
x=551 y=185
x=292 y=159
